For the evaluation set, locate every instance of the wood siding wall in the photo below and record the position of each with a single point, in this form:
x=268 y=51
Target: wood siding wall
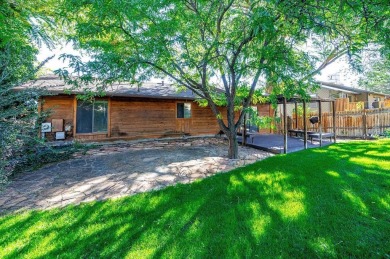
x=59 y=107
x=134 y=118
x=265 y=110
x=146 y=118
x=204 y=121
x=138 y=119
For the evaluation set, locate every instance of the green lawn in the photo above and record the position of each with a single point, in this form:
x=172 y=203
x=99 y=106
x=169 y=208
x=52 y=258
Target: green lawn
x=328 y=202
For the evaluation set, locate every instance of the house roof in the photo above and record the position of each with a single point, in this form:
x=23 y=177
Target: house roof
x=55 y=85
x=347 y=89
x=156 y=90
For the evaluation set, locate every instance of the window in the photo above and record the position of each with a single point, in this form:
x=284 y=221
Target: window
x=91 y=117
x=184 y=110
x=313 y=105
x=342 y=95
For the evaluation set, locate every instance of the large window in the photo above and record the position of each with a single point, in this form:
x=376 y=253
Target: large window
x=184 y=110
x=91 y=117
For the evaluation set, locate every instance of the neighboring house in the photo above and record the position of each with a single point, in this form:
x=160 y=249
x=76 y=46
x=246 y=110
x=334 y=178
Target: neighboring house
x=153 y=110
x=334 y=91
x=346 y=98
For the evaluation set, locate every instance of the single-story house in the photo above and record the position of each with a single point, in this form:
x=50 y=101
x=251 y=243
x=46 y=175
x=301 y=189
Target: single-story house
x=153 y=110
x=334 y=91
x=344 y=96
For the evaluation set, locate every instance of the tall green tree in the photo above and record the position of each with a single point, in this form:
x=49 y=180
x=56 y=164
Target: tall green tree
x=23 y=26
x=376 y=76
x=213 y=45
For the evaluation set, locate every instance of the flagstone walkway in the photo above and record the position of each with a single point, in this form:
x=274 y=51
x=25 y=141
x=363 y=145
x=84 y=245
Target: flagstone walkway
x=112 y=171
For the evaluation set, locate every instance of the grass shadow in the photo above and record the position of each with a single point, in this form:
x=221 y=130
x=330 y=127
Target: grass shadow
x=327 y=202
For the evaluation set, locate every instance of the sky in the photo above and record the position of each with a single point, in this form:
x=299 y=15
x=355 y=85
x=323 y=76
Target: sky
x=56 y=62
x=340 y=67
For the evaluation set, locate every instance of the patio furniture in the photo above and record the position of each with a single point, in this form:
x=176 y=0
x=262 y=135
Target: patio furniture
x=317 y=135
x=298 y=132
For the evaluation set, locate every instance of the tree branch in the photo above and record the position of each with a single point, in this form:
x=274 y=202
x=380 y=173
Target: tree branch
x=195 y=90
x=251 y=91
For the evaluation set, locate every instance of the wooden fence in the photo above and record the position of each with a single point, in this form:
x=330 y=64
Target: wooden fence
x=360 y=124
x=343 y=104
x=385 y=103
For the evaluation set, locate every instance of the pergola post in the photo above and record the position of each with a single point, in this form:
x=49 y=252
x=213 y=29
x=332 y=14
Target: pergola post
x=296 y=115
x=285 y=124
x=244 y=133
x=334 y=120
x=304 y=126
x=320 y=121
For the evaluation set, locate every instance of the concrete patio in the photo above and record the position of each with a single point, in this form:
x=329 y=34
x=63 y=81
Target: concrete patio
x=123 y=169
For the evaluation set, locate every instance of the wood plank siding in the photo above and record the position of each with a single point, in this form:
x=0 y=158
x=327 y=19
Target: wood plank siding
x=142 y=119
x=59 y=107
x=137 y=118
x=265 y=110
x=203 y=120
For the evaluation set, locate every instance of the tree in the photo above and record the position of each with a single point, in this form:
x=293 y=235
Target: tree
x=20 y=29
x=376 y=76
x=213 y=46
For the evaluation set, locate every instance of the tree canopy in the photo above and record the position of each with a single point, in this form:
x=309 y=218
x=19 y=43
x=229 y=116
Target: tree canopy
x=220 y=48
x=23 y=27
x=376 y=76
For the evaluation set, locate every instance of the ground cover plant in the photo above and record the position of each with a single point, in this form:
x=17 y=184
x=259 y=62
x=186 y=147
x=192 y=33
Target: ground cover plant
x=37 y=155
x=326 y=202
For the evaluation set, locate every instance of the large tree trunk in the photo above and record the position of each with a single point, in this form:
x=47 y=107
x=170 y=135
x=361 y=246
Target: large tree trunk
x=230 y=129
x=233 y=145
x=231 y=133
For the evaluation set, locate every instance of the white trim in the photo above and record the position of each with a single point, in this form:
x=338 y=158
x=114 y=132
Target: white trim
x=338 y=89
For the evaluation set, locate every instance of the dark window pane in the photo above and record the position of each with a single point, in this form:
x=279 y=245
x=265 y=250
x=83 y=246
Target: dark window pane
x=84 y=117
x=180 y=110
x=100 y=117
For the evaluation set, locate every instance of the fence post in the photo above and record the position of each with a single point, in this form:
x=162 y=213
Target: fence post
x=296 y=115
x=334 y=120
x=364 y=124
x=304 y=125
x=244 y=133
x=320 y=121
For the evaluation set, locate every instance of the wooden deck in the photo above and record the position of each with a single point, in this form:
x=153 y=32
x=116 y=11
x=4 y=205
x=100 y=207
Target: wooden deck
x=274 y=143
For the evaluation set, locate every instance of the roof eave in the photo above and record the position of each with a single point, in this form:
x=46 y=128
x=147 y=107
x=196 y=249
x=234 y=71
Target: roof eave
x=59 y=92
